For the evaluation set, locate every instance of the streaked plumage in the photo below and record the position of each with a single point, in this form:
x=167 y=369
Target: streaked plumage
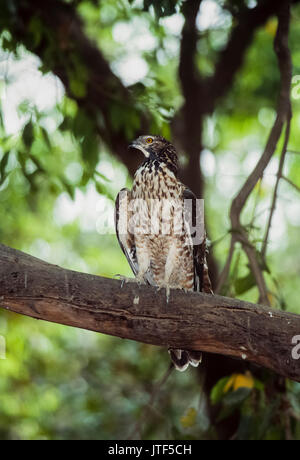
x=157 y=239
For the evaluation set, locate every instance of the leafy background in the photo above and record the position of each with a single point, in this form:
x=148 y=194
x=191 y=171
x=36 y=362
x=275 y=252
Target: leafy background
x=57 y=186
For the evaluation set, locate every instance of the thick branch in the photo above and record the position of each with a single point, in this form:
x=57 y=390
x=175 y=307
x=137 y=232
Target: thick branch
x=193 y=321
x=191 y=112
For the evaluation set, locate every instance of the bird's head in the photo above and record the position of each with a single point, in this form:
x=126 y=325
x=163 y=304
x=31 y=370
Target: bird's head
x=157 y=150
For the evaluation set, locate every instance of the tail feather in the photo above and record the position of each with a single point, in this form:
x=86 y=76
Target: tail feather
x=195 y=358
x=182 y=358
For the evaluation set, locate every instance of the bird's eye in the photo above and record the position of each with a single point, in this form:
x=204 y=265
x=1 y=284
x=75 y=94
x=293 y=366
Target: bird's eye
x=149 y=140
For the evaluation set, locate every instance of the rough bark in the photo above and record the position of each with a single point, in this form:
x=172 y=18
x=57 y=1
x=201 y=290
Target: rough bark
x=192 y=321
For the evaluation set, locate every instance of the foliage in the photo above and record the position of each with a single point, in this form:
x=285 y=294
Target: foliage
x=58 y=179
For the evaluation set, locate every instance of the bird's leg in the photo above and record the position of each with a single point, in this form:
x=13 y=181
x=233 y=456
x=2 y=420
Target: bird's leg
x=169 y=267
x=143 y=263
x=125 y=279
x=139 y=279
x=167 y=287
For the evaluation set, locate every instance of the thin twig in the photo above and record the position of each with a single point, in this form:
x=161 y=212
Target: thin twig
x=231 y=58
x=225 y=272
x=286 y=179
x=279 y=176
x=283 y=114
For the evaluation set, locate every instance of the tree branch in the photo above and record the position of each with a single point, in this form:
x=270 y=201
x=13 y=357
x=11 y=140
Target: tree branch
x=231 y=58
x=68 y=39
x=225 y=272
x=295 y=186
x=283 y=115
x=276 y=188
x=283 y=111
x=192 y=321
x=201 y=95
x=190 y=115
x=65 y=42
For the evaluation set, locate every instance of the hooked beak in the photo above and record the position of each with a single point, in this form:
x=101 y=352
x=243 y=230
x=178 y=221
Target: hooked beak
x=136 y=146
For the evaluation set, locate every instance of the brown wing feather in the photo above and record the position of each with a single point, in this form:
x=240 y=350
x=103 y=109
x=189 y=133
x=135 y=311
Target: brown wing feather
x=201 y=277
x=125 y=238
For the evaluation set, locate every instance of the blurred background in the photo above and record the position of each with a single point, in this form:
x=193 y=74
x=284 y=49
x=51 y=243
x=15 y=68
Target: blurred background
x=78 y=81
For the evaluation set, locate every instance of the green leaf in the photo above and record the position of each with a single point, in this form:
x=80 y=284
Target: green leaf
x=9 y=44
x=295 y=403
x=217 y=392
x=82 y=125
x=78 y=76
x=103 y=191
x=35 y=28
x=102 y=176
x=247 y=428
x=77 y=87
x=86 y=176
x=162 y=8
x=37 y=163
x=269 y=412
x=90 y=150
x=3 y=164
x=66 y=124
x=116 y=116
x=244 y=284
x=46 y=137
x=27 y=135
x=233 y=401
x=189 y=419
x=69 y=188
x=235 y=398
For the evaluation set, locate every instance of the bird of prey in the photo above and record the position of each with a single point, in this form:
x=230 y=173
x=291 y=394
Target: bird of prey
x=157 y=232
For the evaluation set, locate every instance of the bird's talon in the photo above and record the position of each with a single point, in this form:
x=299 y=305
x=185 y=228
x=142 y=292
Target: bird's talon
x=168 y=290
x=124 y=279
x=136 y=280
x=167 y=295
x=140 y=281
